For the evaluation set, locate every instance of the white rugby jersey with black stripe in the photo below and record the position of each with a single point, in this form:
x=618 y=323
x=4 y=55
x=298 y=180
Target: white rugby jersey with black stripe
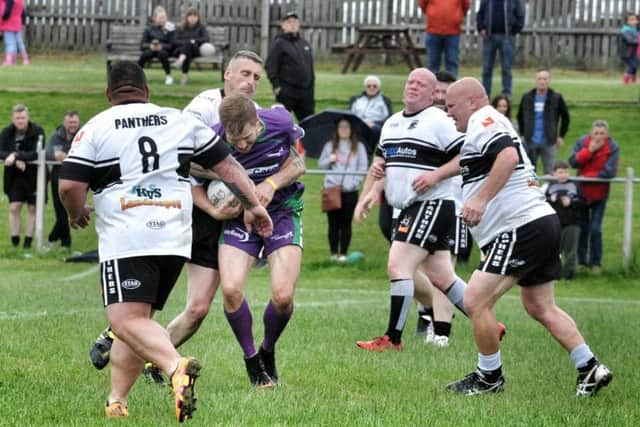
x=135 y=158
x=412 y=144
x=520 y=201
x=205 y=106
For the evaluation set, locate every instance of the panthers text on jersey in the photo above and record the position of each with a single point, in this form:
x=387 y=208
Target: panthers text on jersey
x=520 y=200
x=135 y=158
x=412 y=144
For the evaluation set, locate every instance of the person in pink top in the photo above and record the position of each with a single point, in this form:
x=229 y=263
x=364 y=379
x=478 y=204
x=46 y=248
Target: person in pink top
x=11 y=20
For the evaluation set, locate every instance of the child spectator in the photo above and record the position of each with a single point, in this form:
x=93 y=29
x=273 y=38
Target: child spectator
x=629 y=34
x=11 y=23
x=191 y=34
x=565 y=198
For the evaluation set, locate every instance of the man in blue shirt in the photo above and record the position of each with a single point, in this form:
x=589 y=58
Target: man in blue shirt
x=543 y=121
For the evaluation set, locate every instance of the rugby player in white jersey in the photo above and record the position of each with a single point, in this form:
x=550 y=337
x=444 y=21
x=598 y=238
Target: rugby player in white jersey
x=519 y=234
x=242 y=76
x=417 y=153
x=135 y=158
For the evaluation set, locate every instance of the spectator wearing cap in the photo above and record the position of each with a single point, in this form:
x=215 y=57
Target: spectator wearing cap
x=371 y=105
x=290 y=69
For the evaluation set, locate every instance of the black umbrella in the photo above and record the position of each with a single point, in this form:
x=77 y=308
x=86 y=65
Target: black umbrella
x=320 y=128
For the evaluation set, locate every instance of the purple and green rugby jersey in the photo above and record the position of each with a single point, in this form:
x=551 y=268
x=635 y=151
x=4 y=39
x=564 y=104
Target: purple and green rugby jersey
x=271 y=151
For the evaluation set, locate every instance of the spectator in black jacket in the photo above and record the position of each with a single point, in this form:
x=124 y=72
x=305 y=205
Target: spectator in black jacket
x=498 y=22
x=157 y=42
x=540 y=113
x=18 y=145
x=189 y=36
x=290 y=69
x=57 y=149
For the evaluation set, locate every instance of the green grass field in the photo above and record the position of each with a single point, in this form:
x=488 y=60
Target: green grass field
x=50 y=311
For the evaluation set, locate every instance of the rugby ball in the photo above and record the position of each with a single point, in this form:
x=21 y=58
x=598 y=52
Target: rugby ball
x=218 y=192
x=207 y=49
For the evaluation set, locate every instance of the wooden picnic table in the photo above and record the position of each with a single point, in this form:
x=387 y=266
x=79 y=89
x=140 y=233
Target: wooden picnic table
x=377 y=39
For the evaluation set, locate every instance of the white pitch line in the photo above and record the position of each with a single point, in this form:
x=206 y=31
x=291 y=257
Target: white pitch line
x=21 y=315
x=386 y=292
x=25 y=315
x=88 y=272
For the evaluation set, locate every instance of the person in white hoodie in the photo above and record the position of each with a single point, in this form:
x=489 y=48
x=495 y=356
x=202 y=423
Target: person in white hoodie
x=372 y=106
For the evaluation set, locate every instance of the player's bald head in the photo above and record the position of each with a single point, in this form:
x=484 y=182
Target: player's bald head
x=419 y=90
x=424 y=75
x=465 y=97
x=470 y=88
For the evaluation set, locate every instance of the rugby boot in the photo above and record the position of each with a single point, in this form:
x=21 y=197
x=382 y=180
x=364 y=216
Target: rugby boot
x=183 y=381
x=477 y=383
x=101 y=349
x=268 y=359
x=153 y=374
x=116 y=409
x=379 y=344
x=257 y=374
x=592 y=378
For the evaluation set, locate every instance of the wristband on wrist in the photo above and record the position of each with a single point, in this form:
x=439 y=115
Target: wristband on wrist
x=272 y=183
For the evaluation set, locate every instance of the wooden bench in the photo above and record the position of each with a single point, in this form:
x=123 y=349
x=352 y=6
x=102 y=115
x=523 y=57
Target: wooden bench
x=124 y=45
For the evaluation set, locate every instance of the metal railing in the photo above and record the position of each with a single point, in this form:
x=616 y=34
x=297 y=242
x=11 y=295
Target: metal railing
x=629 y=180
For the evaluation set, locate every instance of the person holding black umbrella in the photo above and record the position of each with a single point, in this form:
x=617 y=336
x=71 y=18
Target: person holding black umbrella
x=343 y=153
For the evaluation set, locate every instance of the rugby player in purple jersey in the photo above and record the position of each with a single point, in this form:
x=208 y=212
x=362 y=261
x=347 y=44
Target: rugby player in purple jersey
x=261 y=141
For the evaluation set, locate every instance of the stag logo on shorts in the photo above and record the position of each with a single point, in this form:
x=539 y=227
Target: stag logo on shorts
x=156 y=224
x=130 y=284
x=515 y=263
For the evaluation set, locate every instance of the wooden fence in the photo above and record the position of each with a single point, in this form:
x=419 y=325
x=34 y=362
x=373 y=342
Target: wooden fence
x=572 y=33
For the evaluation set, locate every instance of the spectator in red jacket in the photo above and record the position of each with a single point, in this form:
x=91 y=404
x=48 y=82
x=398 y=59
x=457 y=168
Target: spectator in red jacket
x=596 y=156
x=443 y=22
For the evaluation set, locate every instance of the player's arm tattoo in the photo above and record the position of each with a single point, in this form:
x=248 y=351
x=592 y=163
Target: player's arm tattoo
x=292 y=169
x=200 y=172
x=236 y=178
x=298 y=161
